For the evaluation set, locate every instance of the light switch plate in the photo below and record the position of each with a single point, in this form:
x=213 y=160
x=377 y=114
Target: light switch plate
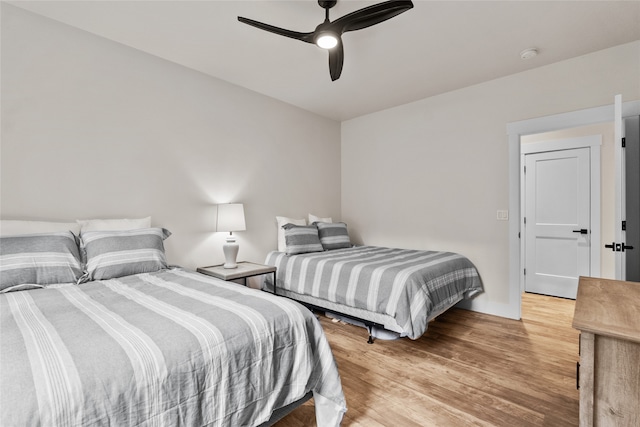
x=502 y=215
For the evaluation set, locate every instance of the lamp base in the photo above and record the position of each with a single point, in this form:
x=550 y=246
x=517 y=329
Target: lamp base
x=230 y=250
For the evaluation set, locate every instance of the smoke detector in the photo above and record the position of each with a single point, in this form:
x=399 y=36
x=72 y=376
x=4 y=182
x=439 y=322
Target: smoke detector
x=529 y=53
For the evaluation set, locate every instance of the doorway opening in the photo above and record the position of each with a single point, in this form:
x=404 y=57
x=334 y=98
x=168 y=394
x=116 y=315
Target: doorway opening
x=515 y=130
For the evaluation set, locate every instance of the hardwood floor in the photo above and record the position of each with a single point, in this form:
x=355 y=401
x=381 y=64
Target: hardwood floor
x=469 y=369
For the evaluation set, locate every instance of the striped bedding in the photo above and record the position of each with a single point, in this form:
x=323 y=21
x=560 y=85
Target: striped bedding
x=401 y=289
x=170 y=348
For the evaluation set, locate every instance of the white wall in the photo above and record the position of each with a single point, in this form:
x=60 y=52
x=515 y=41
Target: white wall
x=91 y=128
x=431 y=174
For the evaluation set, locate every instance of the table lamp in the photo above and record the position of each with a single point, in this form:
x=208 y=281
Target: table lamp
x=230 y=218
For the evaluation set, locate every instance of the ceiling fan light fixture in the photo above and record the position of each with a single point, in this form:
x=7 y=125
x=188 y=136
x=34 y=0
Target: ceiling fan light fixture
x=326 y=40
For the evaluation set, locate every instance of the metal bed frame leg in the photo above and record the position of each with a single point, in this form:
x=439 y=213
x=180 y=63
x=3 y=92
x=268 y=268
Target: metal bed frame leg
x=370 y=329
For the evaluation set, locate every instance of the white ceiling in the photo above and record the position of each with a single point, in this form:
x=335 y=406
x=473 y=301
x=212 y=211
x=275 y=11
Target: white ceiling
x=437 y=46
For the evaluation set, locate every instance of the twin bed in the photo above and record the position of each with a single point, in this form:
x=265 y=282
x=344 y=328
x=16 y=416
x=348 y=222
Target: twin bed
x=100 y=331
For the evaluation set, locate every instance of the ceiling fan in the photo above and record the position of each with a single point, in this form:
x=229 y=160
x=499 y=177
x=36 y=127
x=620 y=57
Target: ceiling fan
x=328 y=34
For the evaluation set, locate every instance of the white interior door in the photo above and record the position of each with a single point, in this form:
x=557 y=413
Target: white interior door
x=619 y=154
x=557 y=221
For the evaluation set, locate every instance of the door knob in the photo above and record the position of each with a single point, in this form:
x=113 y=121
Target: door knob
x=618 y=247
x=582 y=231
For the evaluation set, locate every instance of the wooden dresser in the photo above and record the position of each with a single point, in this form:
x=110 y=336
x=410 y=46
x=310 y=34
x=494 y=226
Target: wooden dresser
x=607 y=314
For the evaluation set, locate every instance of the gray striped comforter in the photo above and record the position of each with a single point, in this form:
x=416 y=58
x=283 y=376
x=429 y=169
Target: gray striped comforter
x=408 y=286
x=168 y=348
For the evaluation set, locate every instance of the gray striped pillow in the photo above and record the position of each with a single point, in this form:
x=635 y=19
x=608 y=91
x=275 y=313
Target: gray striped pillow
x=112 y=254
x=301 y=239
x=333 y=235
x=35 y=260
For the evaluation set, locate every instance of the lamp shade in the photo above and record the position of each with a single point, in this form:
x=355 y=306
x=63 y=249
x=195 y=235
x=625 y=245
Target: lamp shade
x=230 y=217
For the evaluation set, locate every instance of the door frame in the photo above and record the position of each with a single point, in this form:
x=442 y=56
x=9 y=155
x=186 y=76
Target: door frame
x=586 y=117
x=594 y=144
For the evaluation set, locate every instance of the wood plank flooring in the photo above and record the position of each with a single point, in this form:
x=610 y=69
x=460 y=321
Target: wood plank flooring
x=469 y=369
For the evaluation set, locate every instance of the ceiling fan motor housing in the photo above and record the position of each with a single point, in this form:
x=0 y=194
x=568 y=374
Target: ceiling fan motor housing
x=327 y=4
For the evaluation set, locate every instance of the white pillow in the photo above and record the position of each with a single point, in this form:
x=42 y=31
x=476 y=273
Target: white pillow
x=282 y=220
x=313 y=218
x=10 y=227
x=113 y=224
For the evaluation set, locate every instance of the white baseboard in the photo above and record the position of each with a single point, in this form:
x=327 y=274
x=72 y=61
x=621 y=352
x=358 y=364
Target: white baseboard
x=510 y=311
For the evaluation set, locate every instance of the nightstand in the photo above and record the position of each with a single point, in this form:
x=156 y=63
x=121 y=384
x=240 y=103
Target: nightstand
x=244 y=270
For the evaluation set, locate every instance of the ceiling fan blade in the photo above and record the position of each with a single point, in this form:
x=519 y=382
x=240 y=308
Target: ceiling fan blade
x=305 y=37
x=371 y=15
x=336 y=59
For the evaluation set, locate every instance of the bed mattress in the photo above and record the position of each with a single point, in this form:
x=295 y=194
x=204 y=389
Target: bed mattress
x=168 y=348
x=400 y=289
